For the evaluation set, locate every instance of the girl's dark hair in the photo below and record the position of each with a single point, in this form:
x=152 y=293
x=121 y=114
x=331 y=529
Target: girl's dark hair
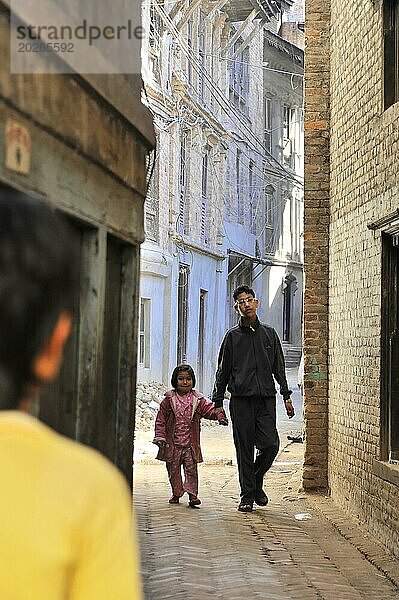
x=180 y=369
x=38 y=281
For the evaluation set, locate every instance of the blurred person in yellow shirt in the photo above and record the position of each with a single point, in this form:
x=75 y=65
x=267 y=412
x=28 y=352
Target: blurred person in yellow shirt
x=65 y=512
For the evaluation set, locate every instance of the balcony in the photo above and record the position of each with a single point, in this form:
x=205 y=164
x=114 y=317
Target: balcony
x=239 y=10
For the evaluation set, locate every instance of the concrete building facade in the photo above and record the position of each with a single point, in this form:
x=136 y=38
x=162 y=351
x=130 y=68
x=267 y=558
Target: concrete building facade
x=283 y=89
x=351 y=259
x=211 y=194
x=180 y=282
x=80 y=142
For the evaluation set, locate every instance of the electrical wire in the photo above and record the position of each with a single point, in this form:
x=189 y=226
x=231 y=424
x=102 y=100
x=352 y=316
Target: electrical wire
x=264 y=152
x=239 y=139
x=218 y=96
x=260 y=200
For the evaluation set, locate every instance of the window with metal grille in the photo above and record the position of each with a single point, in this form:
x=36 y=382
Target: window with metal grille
x=253 y=196
x=202 y=57
x=190 y=47
x=154 y=42
x=391 y=52
x=155 y=31
x=151 y=219
x=240 y=204
x=266 y=222
x=239 y=77
x=288 y=133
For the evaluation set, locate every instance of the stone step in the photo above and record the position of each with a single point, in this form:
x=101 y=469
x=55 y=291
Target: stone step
x=292 y=355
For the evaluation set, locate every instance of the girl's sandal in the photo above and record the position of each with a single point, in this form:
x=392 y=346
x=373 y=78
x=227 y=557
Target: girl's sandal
x=193 y=502
x=174 y=500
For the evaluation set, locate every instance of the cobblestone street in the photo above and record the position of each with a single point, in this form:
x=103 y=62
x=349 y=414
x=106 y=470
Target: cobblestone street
x=216 y=552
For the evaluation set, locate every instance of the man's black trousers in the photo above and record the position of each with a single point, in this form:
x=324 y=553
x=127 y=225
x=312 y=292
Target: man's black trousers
x=254 y=426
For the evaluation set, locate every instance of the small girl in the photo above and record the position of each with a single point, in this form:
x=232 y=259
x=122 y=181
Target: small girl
x=177 y=432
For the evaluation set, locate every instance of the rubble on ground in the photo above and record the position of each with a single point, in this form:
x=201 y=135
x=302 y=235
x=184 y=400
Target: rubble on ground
x=149 y=396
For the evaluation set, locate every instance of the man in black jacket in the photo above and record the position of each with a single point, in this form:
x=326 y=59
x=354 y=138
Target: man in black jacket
x=250 y=358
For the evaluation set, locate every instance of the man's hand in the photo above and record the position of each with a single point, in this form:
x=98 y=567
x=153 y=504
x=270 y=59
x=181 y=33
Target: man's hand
x=289 y=407
x=161 y=443
x=220 y=416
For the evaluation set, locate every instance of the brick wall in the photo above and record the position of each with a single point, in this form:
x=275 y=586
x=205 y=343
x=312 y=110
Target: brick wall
x=316 y=227
x=364 y=153
x=364 y=180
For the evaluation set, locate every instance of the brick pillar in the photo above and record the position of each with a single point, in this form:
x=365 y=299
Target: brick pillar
x=316 y=230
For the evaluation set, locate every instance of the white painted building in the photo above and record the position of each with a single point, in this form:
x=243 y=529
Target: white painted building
x=283 y=244
x=205 y=211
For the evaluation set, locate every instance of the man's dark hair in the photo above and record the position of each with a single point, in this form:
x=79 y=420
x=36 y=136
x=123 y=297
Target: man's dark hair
x=38 y=281
x=180 y=369
x=243 y=289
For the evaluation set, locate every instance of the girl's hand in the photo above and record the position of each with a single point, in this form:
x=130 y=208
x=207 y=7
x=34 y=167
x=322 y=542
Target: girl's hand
x=221 y=416
x=159 y=442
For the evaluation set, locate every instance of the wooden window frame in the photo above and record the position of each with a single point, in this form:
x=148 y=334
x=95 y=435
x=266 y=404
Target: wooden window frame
x=391 y=52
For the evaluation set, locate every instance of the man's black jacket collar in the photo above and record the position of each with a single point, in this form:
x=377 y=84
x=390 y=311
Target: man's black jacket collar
x=252 y=327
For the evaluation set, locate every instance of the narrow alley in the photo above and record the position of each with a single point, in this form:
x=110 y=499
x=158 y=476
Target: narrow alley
x=199 y=209
x=216 y=552
x=300 y=546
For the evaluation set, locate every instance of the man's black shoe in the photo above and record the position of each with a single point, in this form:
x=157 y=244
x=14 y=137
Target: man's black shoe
x=261 y=499
x=245 y=507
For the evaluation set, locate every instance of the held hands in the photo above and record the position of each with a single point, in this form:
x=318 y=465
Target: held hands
x=289 y=407
x=161 y=443
x=220 y=416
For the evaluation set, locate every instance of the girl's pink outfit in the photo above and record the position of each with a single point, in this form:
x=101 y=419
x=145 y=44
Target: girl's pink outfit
x=178 y=424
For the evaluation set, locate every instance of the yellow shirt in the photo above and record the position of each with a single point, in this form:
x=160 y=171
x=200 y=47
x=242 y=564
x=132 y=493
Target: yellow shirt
x=65 y=519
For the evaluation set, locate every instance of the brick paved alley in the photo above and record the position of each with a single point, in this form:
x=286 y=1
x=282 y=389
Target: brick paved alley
x=216 y=552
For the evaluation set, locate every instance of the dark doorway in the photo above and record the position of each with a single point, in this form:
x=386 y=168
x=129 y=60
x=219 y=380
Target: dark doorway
x=107 y=408
x=287 y=300
x=289 y=288
x=59 y=400
x=114 y=410
x=182 y=311
x=390 y=349
x=239 y=273
x=201 y=339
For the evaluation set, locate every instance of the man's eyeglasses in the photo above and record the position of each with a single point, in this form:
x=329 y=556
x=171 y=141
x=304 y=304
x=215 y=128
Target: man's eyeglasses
x=245 y=301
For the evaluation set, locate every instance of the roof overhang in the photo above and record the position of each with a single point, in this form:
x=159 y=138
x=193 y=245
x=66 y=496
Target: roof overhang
x=238 y=10
x=283 y=47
